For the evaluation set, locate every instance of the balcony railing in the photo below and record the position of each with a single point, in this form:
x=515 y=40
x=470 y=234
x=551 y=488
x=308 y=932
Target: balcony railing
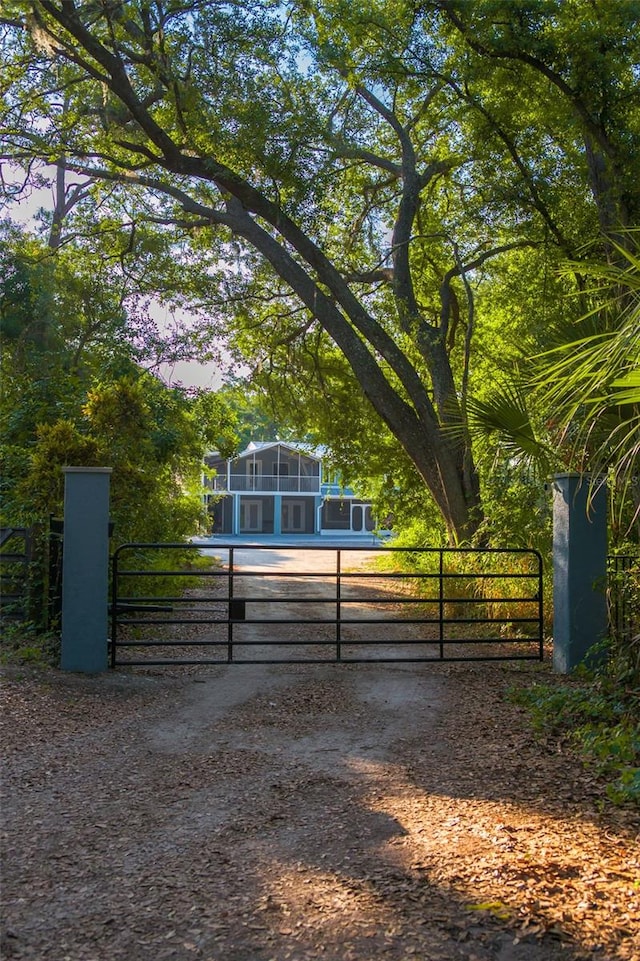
x=267 y=484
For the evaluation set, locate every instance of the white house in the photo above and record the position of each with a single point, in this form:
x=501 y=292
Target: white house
x=280 y=488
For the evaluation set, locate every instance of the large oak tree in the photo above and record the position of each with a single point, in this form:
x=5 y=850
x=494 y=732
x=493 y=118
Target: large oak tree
x=363 y=162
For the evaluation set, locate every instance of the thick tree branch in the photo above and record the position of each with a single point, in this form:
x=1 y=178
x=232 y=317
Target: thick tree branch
x=348 y=152
x=521 y=167
x=379 y=275
x=403 y=419
x=594 y=128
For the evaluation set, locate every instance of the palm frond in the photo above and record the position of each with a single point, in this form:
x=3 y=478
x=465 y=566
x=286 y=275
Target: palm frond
x=591 y=385
x=503 y=418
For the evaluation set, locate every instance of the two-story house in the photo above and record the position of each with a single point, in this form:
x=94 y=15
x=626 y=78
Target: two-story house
x=279 y=488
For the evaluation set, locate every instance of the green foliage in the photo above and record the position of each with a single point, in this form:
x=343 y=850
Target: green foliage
x=366 y=202
x=518 y=509
x=26 y=643
x=576 y=406
x=73 y=395
x=416 y=522
x=56 y=446
x=599 y=715
x=217 y=418
x=156 y=582
x=590 y=385
x=505 y=414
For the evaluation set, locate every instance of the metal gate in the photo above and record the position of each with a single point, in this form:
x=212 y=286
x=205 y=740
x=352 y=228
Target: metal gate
x=16 y=555
x=623 y=590
x=200 y=604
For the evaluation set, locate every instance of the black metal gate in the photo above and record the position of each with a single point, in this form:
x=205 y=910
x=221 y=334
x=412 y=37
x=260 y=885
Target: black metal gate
x=16 y=554
x=430 y=604
x=623 y=596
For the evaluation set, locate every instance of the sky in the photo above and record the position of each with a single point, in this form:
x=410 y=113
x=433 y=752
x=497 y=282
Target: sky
x=190 y=373
x=208 y=376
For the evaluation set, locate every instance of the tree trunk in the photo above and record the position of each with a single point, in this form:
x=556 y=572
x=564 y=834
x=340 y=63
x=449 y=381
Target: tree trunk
x=439 y=455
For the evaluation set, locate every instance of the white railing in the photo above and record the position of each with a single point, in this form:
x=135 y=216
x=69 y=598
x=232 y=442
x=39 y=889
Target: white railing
x=267 y=484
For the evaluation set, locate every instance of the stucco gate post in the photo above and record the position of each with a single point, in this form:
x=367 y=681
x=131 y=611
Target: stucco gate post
x=579 y=568
x=85 y=571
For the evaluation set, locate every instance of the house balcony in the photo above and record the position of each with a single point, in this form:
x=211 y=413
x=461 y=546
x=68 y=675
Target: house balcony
x=266 y=484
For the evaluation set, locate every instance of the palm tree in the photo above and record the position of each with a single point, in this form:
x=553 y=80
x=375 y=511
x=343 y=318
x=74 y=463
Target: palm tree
x=586 y=391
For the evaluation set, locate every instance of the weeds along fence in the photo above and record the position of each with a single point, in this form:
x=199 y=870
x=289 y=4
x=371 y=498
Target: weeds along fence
x=491 y=578
x=31 y=563
x=31 y=576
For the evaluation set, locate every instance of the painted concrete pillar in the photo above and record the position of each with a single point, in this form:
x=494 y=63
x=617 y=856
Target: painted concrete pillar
x=579 y=568
x=85 y=573
x=277 y=513
x=236 y=515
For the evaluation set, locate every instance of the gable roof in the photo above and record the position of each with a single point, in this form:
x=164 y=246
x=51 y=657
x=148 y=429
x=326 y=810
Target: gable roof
x=259 y=445
x=293 y=447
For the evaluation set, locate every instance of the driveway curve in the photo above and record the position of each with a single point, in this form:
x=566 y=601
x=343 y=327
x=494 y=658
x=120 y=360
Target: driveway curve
x=258 y=812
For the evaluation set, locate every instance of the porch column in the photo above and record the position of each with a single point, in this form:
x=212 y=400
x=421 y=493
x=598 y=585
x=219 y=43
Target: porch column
x=277 y=514
x=236 y=514
x=579 y=568
x=85 y=571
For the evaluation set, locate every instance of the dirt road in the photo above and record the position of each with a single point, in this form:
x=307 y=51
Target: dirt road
x=248 y=813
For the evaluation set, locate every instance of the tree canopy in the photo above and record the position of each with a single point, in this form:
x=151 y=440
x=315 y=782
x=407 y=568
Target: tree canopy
x=73 y=392
x=335 y=182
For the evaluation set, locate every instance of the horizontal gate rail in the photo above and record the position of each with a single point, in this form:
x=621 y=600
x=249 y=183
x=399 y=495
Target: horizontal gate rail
x=452 y=600
x=16 y=554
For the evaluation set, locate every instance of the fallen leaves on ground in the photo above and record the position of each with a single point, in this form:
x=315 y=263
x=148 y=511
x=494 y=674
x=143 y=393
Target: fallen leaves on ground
x=330 y=812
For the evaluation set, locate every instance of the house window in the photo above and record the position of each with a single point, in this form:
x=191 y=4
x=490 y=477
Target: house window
x=254 y=473
x=336 y=515
x=281 y=470
x=362 y=518
x=369 y=522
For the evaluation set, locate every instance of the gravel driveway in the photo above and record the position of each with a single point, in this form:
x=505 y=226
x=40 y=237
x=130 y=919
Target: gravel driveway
x=253 y=812
x=257 y=812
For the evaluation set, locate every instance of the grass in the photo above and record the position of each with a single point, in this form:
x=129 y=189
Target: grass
x=186 y=567
x=24 y=643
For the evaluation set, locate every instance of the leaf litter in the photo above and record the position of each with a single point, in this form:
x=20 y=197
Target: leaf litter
x=312 y=817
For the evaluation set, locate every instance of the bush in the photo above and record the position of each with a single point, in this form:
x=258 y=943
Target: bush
x=600 y=717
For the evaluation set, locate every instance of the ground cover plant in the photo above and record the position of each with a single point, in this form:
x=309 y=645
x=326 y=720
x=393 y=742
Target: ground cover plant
x=597 y=710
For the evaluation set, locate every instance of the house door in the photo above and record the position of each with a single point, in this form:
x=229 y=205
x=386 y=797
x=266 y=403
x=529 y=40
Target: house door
x=293 y=517
x=361 y=518
x=250 y=516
